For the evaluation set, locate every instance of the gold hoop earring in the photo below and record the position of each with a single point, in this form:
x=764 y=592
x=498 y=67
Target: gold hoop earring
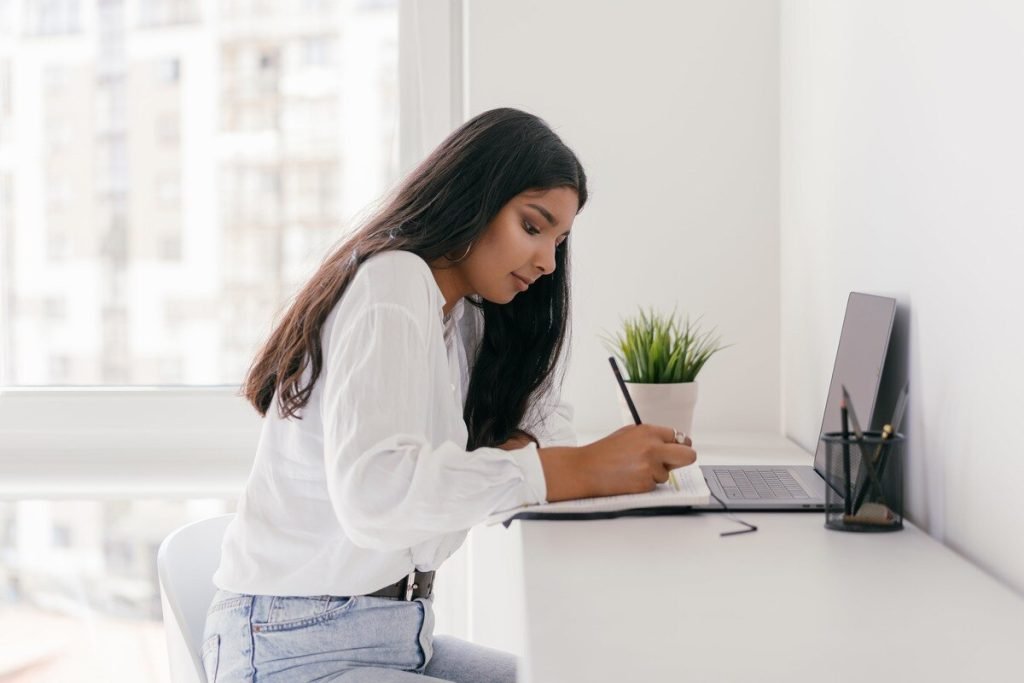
x=450 y=259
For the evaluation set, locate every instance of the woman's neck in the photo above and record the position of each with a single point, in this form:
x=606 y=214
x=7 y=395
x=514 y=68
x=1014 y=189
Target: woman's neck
x=450 y=283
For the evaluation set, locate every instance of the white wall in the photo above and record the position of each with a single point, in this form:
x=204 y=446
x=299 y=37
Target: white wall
x=902 y=174
x=673 y=111
x=887 y=140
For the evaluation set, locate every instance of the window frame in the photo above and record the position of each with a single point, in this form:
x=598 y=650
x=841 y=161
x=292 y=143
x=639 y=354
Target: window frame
x=136 y=441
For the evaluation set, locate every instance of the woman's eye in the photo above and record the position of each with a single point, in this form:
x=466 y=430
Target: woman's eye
x=530 y=229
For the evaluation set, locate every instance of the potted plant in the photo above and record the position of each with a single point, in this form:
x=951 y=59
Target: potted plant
x=662 y=359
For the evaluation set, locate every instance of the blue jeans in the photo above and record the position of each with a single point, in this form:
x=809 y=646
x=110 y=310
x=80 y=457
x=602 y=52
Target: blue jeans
x=256 y=638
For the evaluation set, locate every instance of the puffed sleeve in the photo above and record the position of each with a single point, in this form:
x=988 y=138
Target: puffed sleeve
x=390 y=486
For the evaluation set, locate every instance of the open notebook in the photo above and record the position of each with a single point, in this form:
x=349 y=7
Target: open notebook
x=684 y=489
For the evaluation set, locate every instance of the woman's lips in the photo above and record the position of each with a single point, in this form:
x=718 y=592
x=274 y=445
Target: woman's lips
x=522 y=284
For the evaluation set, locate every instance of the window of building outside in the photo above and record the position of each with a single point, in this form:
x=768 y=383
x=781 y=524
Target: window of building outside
x=209 y=182
x=78 y=594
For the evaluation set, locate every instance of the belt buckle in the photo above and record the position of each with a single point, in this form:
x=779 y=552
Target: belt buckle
x=410 y=585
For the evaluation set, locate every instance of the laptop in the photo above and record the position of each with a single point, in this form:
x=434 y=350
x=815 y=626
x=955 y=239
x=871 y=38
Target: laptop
x=860 y=358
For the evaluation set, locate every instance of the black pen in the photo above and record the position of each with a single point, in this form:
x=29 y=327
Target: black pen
x=844 y=413
x=625 y=391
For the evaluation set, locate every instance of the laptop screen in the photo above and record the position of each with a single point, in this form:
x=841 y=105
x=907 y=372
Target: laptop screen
x=859 y=361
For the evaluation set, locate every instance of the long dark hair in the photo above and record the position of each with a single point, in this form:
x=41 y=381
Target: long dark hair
x=439 y=209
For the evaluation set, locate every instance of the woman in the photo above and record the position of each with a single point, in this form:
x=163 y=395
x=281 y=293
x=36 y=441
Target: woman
x=408 y=394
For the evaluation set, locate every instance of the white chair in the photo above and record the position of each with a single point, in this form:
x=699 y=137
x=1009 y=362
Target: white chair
x=185 y=564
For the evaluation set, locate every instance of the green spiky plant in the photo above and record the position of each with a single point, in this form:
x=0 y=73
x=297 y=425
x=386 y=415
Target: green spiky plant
x=657 y=349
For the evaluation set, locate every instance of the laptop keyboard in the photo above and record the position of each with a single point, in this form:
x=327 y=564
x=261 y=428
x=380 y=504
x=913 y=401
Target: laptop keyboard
x=759 y=484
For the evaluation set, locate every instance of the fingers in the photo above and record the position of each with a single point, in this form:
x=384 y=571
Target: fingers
x=673 y=456
x=665 y=434
x=660 y=474
x=668 y=434
x=660 y=432
x=670 y=454
x=672 y=459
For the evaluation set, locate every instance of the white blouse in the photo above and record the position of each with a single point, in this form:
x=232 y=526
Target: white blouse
x=375 y=479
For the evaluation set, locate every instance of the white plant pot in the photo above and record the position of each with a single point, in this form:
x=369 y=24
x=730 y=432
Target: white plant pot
x=669 y=405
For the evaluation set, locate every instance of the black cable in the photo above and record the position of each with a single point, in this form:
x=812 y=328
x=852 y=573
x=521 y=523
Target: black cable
x=728 y=512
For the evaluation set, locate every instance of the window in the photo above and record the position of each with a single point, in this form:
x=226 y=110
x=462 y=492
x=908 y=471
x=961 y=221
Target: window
x=60 y=135
x=127 y=404
x=61 y=536
x=168 y=127
x=79 y=598
x=168 y=70
x=317 y=50
x=55 y=309
x=6 y=16
x=155 y=13
x=170 y=250
x=166 y=158
x=5 y=88
x=268 y=60
x=110 y=107
x=58 y=194
x=168 y=189
x=54 y=17
x=58 y=246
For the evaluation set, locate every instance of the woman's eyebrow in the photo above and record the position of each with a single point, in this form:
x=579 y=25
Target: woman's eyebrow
x=547 y=214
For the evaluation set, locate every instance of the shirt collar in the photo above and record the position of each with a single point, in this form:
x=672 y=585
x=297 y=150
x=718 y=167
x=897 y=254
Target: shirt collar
x=457 y=310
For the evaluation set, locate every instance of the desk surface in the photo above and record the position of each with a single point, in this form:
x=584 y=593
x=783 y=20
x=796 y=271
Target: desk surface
x=668 y=599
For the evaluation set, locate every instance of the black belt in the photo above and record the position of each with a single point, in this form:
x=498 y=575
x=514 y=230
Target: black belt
x=416 y=585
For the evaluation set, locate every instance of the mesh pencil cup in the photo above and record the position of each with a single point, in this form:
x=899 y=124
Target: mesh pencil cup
x=864 y=482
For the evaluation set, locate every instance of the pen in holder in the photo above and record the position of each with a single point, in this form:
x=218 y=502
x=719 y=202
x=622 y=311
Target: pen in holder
x=872 y=477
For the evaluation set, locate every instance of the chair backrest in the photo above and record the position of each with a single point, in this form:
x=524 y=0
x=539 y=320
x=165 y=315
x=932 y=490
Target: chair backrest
x=185 y=564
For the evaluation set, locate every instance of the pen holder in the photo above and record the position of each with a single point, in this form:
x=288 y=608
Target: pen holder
x=864 y=482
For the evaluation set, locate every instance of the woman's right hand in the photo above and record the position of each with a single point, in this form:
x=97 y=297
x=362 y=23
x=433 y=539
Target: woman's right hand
x=633 y=459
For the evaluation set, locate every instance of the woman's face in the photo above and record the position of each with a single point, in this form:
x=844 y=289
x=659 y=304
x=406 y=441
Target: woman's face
x=518 y=245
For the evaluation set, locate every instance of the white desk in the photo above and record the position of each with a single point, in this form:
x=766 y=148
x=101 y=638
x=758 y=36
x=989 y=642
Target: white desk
x=656 y=599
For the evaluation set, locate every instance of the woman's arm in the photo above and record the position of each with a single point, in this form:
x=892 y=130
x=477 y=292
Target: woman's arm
x=391 y=482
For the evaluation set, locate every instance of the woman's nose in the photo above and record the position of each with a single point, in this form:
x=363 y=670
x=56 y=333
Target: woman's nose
x=545 y=260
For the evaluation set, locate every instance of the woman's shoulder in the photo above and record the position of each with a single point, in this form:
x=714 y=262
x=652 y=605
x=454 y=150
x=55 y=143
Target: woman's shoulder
x=398 y=278
x=395 y=261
